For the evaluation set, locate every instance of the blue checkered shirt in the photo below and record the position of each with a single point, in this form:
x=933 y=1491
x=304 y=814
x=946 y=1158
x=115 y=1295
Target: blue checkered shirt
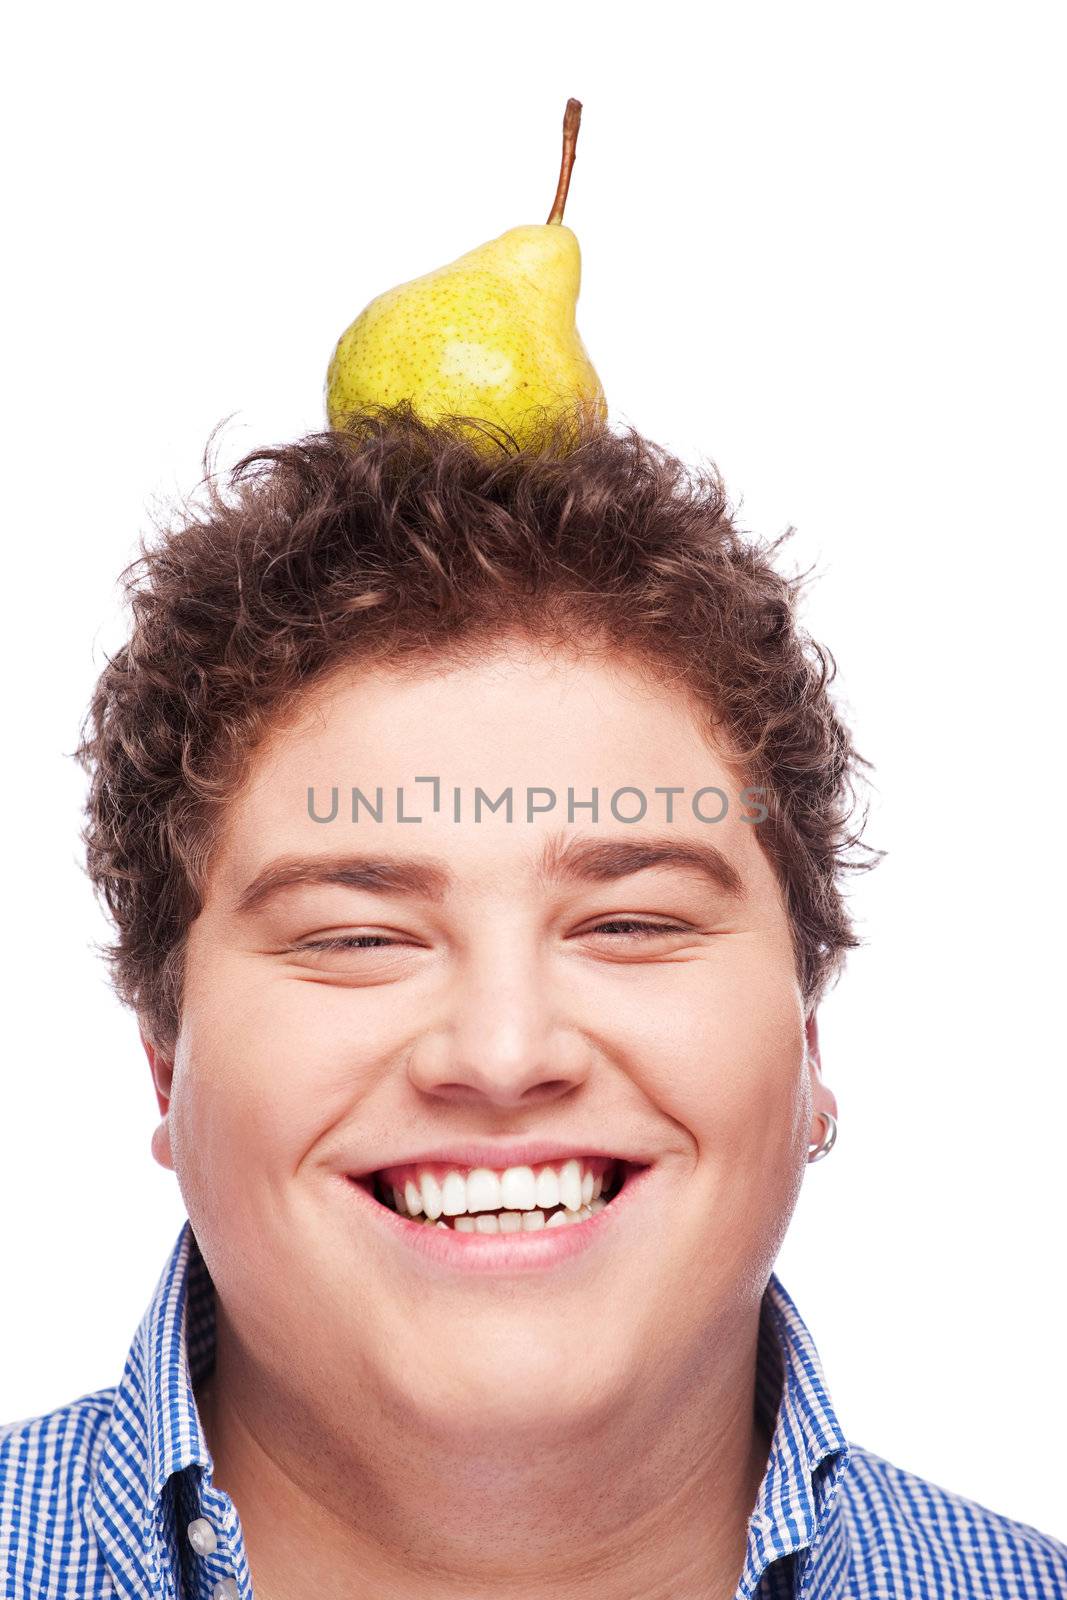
x=96 y=1498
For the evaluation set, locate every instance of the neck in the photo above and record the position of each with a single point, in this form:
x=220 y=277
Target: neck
x=655 y=1504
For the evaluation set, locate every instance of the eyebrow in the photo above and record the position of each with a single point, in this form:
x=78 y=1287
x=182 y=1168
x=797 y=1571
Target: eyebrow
x=578 y=860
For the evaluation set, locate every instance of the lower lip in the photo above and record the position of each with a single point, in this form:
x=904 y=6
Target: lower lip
x=503 y=1252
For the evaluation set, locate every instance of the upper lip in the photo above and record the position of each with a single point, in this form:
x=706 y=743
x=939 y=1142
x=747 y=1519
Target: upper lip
x=478 y=1153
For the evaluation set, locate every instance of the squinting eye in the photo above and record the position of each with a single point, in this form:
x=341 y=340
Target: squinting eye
x=624 y=927
x=352 y=941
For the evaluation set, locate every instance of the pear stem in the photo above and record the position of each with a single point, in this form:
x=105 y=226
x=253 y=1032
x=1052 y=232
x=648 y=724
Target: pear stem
x=571 y=121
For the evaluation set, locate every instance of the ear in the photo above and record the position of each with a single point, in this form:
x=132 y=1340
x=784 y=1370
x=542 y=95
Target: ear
x=823 y=1098
x=162 y=1071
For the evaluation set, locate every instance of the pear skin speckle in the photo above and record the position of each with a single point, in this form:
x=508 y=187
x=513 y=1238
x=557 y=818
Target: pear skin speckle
x=492 y=335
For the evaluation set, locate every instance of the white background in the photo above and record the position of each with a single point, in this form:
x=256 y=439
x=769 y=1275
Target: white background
x=821 y=248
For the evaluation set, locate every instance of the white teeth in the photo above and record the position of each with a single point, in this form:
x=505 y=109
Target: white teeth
x=547 y=1188
x=518 y=1188
x=519 y=1221
x=570 y=1185
x=517 y=1191
x=453 y=1194
x=483 y=1190
x=431 y=1195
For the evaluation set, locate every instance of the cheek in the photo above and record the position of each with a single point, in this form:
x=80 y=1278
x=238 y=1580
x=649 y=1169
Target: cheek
x=251 y=1079
x=727 y=1063
x=759 y=1059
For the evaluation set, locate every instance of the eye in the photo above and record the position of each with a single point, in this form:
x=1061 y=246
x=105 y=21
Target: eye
x=618 y=927
x=347 y=941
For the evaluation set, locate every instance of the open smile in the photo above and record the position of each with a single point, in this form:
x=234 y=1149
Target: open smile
x=499 y=1218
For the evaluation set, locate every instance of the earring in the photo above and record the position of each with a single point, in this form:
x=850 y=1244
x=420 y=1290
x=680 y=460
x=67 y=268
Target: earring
x=826 y=1144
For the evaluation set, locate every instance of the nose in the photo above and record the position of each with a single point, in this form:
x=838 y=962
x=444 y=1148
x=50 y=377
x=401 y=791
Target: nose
x=503 y=1041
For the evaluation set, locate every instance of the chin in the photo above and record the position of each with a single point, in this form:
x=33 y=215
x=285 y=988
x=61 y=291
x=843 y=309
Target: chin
x=520 y=1384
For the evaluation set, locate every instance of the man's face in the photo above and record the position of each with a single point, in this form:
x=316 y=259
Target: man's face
x=510 y=1006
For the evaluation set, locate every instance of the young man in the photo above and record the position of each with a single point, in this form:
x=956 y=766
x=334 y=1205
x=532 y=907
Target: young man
x=473 y=825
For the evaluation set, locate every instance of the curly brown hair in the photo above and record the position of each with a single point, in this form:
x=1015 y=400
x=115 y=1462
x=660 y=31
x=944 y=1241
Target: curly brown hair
x=400 y=540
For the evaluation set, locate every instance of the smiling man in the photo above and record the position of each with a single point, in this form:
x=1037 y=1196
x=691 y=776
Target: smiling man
x=473 y=826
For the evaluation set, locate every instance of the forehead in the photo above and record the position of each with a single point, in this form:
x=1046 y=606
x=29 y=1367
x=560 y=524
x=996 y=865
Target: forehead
x=520 y=700
x=425 y=740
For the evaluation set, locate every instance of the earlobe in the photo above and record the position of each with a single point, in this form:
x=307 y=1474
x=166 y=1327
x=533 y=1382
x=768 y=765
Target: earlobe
x=161 y=1150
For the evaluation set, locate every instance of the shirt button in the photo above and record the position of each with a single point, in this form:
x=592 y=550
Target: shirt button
x=202 y=1536
x=225 y=1589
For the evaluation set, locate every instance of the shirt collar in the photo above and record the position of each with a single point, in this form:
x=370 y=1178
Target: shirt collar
x=154 y=1474
x=798 y=1509
x=141 y=1509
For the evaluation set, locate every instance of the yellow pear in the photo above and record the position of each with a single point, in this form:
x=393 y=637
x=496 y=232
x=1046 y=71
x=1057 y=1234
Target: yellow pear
x=492 y=335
